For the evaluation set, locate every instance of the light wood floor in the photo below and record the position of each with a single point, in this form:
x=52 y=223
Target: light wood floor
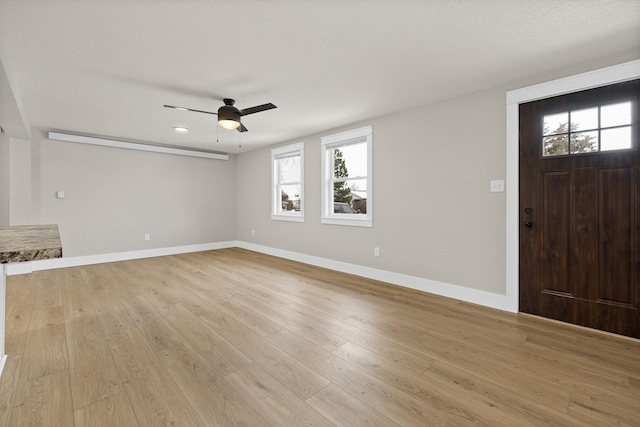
x=235 y=338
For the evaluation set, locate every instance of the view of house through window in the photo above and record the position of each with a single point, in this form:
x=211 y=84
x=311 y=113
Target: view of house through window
x=600 y=128
x=287 y=172
x=347 y=178
x=290 y=183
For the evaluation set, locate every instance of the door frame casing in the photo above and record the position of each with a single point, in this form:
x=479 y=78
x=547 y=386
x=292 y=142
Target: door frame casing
x=592 y=79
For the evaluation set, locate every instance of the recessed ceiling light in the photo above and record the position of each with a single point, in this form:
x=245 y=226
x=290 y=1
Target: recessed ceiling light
x=181 y=129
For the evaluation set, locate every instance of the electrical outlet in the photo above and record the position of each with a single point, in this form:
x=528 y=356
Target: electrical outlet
x=496 y=186
x=376 y=251
x=253 y=232
x=147 y=236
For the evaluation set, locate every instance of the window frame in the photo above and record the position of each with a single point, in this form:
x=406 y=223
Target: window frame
x=278 y=153
x=328 y=144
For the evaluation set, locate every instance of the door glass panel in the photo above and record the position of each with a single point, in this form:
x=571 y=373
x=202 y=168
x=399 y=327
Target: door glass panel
x=616 y=138
x=589 y=130
x=556 y=145
x=584 y=120
x=616 y=114
x=555 y=123
x=584 y=142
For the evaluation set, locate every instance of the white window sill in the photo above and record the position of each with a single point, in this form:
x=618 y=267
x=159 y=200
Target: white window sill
x=291 y=218
x=353 y=222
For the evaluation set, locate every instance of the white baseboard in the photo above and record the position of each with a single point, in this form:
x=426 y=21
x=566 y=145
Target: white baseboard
x=48 y=264
x=19 y=268
x=3 y=362
x=487 y=299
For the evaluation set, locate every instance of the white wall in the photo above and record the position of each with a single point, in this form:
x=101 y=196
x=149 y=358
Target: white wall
x=20 y=200
x=15 y=181
x=434 y=216
x=4 y=179
x=114 y=196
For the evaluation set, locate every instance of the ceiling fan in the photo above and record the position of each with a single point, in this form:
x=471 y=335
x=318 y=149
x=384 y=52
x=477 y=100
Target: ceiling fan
x=228 y=115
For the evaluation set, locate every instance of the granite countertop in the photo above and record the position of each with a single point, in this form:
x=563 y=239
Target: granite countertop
x=20 y=243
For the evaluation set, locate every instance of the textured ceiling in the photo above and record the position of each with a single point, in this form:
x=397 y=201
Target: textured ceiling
x=107 y=67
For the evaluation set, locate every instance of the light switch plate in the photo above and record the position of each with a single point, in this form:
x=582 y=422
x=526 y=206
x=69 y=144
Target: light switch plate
x=60 y=194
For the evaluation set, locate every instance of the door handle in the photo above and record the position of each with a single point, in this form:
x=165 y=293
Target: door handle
x=528 y=224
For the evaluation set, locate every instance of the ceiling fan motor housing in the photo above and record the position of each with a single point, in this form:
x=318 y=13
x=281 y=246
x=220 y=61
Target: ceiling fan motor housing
x=228 y=113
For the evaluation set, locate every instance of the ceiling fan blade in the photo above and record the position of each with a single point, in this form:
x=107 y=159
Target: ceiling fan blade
x=189 y=109
x=257 y=109
x=241 y=128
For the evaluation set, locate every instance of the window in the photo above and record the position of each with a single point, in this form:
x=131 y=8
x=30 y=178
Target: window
x=589 y=130
x=346 y=178
x=287 y=176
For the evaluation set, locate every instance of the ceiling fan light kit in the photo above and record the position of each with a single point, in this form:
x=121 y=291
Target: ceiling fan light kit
x=229 y=116
x=229 y=124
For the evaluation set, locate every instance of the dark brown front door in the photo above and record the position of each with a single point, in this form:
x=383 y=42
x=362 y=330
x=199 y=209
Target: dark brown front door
x=580 y=206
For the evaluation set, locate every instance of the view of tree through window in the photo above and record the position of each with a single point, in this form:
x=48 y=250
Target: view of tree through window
x=341 y=192
x=350 y=178
x=600 y=128
x=558 y=143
